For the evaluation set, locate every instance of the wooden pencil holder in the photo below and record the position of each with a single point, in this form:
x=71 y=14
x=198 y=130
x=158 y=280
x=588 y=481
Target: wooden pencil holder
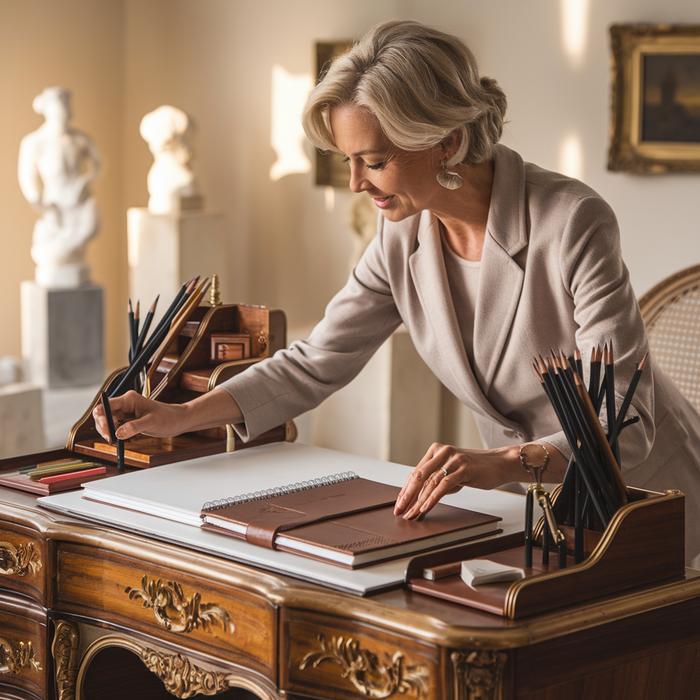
x=186 y=371
x=643 y=544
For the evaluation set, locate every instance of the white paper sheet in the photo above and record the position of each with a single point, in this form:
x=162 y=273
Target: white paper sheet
x=182 y=488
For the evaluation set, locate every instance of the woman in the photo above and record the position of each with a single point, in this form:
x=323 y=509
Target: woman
x=486 y=259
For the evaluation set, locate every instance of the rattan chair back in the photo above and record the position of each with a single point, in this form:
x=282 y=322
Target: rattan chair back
x=671 y=313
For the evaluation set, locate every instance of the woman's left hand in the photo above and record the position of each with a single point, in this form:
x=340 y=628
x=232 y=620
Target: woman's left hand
x=445 y=469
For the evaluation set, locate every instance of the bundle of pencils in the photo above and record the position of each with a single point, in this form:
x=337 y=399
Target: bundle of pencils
x=148 y=350
x=593 y=488
x=67 y=469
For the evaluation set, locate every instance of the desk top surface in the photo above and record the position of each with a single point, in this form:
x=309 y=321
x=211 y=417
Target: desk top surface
x=398 y=609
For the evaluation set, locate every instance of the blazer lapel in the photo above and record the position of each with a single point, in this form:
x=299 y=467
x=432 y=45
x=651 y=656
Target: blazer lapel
x=427 y=267
x=500 y=277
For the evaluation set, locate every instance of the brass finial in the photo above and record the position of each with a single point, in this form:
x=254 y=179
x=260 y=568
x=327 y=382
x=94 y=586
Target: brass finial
x=214 y=291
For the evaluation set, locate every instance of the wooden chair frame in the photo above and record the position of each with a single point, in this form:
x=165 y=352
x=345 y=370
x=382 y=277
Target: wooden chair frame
x=655 y=300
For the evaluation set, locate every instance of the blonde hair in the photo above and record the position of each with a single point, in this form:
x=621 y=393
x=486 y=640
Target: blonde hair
x=421 y=85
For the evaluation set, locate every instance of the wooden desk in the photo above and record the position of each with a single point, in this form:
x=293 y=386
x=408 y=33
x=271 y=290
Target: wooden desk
x=87 y=612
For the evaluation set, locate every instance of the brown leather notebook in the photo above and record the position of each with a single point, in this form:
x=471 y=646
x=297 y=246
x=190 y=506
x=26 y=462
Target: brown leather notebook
x=344 y=520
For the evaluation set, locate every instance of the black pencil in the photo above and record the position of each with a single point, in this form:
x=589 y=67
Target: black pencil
x=529 y=504
x=108 y=415
x=559 y=400
x=594 y=376
x=629 y=395
x=157 y=337
x=578 y=519
x=143 y=333
x=132 y=336
x=579 y=362
x=610 y=399
x=137 y=320
x=588 y=455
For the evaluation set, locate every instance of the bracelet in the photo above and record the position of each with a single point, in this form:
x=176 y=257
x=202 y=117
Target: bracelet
x=523 y=458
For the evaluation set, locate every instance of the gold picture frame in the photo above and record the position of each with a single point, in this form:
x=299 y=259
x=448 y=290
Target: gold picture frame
x=331 y=171
x=655 y=110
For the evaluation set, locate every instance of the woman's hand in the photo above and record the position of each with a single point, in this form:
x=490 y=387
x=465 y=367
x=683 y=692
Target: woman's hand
x=445 y=469
x=134 y=414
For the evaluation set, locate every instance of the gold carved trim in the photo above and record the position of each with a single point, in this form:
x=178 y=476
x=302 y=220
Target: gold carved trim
x=181 y=676
x=374 y=679
x=19 y=560
x=16 y=656
x=478 y=675
x=64 y=650
x=176 y=612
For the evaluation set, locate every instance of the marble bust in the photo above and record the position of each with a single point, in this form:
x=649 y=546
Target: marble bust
x=57 y=164
x=172 y=186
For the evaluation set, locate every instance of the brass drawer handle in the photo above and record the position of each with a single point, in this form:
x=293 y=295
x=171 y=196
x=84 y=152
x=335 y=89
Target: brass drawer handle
x=15 y=656
x=176 y=612
x=18 y=560
x=364 y=670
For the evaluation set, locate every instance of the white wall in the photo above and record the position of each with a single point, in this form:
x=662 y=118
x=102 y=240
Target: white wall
x=551 y=96
x=78 y=44
x=215 y=60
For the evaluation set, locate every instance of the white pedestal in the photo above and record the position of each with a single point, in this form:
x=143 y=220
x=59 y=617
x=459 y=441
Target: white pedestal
x=391 y=410
x=21 y=420
x=63 y=335
x=165 y=250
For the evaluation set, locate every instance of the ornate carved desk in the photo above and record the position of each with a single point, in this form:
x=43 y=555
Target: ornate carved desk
x=89 y=612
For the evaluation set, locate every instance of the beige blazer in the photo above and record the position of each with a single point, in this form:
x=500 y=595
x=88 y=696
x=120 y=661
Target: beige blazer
x=551 y=275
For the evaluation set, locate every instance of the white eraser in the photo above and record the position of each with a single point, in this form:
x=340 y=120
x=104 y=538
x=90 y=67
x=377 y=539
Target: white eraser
x=474 y=572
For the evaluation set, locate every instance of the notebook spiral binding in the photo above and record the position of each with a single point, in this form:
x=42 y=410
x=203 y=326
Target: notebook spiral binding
x=265 y=494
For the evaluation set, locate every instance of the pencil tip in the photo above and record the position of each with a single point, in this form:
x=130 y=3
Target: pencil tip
x=643 y=361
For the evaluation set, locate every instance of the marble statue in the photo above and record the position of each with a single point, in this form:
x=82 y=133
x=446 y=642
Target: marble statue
x=56 y=165
x=172 y=186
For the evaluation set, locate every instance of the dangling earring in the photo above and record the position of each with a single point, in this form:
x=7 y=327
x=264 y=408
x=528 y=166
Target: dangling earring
x=449 y=179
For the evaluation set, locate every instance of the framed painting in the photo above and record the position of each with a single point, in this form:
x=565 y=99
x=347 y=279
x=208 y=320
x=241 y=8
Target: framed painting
x=330 y=169
x=655 y=115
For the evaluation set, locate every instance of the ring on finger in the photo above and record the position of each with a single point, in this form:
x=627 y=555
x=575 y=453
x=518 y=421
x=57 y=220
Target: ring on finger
x=444 y=471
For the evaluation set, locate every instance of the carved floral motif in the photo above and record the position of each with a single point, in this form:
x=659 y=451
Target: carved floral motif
x=181 y=677
x=175 y=611
x=64 y=651
x=16 y=656
x=373 y=678
x=478 y=674
x=19 y=560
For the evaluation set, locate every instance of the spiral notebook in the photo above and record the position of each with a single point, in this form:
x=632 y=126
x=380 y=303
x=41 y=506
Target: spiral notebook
x=342 y=519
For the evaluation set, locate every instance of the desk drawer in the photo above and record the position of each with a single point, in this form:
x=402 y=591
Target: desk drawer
x=23 y=663
x=22 y=561
x=319 y=652
x=182 y=608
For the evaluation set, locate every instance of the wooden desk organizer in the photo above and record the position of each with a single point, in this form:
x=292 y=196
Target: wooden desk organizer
x=643 y=544
x=186 y=371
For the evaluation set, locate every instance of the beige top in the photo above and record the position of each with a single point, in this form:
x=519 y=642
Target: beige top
x=463 y=280
x=551 y=275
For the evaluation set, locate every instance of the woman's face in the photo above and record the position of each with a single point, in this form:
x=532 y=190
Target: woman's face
x=400 y=183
